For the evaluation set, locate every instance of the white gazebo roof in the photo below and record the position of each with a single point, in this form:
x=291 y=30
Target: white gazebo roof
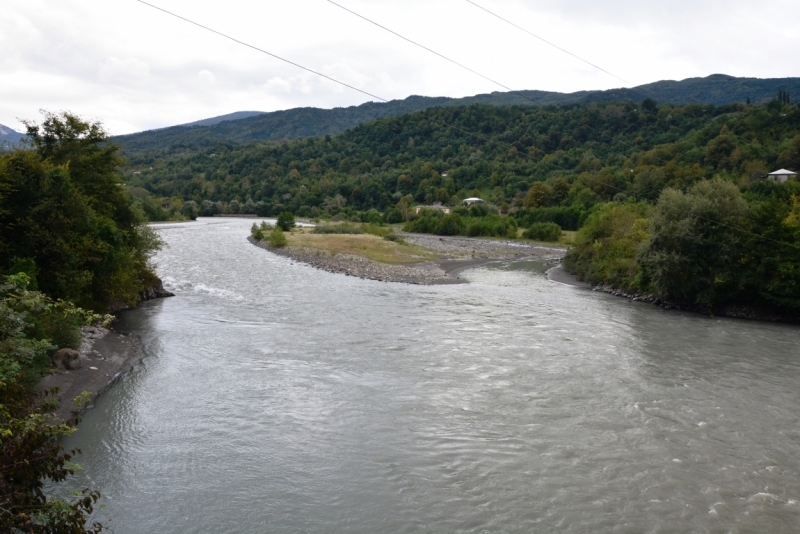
x=782 y=172
x=473 y=199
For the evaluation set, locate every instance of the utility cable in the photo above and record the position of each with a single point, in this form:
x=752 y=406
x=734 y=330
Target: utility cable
x=462 y=130
x=454 y=62
x=260 y=50
x=548 y=42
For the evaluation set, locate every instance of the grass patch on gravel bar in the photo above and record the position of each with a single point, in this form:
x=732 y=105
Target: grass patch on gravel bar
x=365 y=245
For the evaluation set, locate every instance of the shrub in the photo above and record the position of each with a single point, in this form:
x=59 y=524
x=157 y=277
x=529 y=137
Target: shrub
x=286 y=221
x=256 y=232
x=543 y=232
x=393 y=215
x=450 y=225
x=337 y=229
x=277 y=238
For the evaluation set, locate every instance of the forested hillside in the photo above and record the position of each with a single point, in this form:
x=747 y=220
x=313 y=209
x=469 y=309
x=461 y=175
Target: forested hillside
x=308 y=122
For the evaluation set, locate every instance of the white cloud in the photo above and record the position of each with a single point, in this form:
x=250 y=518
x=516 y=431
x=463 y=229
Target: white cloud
x=136 y=68
x=207 y=77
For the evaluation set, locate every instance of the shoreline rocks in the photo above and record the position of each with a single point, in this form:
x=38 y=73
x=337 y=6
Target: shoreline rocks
x=732 y=311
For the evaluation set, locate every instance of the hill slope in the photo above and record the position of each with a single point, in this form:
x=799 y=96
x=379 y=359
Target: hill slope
x=298 y=123
x=9 y=137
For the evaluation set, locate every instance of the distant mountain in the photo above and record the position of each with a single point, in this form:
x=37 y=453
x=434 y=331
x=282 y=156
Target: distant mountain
x=222 y=118
x=9 y=137
x=247 y=126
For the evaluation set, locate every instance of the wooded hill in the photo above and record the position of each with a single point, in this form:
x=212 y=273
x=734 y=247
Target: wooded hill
x=601 y=149
x=298 y=123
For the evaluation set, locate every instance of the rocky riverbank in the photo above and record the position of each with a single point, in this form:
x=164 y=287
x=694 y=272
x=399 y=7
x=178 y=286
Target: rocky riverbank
x=103 y=358
x=734 y=311
x=458 y=253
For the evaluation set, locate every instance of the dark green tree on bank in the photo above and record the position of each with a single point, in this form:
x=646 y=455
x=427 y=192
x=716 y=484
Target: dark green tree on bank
x=66 y=216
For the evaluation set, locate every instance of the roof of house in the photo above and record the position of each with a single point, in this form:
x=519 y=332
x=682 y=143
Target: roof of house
x=473 y=199
x=782 y=171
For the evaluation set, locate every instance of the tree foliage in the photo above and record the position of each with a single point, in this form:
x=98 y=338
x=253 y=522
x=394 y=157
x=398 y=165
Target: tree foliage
x=64 y=210
x=29 y=448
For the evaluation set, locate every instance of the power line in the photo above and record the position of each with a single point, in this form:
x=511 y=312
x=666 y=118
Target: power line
x=261 y=50
x=601 y=133
x=548 y=42
x=454 y=62
x=636 y=88
x=477 y=136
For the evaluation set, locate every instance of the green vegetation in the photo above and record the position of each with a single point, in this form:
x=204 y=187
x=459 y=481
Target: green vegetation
x=30 y=324
x=69 y=233
x=285 y=221
x=543 y=232
x=277 y=238
x=66 y=220
x=703 y=247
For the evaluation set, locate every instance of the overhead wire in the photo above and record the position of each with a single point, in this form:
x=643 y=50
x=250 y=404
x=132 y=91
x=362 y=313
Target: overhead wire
x=462 y=130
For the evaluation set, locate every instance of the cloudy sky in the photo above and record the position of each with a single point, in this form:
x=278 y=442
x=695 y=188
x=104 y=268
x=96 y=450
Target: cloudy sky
x=135 y=68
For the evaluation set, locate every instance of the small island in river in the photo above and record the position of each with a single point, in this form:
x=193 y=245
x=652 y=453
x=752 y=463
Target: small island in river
x=403 y=257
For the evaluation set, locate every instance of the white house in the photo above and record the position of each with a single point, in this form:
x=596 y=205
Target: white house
x=472 y=200
x=782 y=176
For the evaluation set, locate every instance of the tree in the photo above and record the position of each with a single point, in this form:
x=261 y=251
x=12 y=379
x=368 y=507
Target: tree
x=538 y=195
x=64 y=207
x=286 y=221
x=695 y=248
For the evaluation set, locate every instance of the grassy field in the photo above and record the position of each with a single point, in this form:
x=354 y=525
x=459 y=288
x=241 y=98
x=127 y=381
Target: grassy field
x=366 y=245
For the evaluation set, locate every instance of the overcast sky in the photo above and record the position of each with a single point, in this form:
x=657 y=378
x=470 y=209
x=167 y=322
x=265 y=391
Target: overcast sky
x=135 y=68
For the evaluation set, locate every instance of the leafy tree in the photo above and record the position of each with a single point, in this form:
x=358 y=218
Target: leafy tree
x=286 y=221
x=695 y=247
x=63 y=206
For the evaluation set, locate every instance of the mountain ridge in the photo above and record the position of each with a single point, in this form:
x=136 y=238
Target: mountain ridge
x=717 y=89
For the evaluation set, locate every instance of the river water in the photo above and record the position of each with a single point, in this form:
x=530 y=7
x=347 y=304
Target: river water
x=278 y=398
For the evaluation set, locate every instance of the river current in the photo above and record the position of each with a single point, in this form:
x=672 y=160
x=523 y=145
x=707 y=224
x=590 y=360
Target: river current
x=274 y=397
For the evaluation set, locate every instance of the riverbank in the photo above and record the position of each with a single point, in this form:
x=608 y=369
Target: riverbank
x=440 y=260
x=105 y=357
x=733 y=311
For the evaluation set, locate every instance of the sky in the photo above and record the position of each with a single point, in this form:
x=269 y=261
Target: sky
x=134 y=68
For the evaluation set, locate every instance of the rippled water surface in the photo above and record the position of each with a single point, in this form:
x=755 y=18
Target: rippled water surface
x=278 y=398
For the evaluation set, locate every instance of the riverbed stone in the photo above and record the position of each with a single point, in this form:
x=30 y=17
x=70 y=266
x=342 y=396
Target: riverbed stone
x=67 y=359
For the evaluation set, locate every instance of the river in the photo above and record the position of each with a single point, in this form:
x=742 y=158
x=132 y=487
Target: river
x=278 y=398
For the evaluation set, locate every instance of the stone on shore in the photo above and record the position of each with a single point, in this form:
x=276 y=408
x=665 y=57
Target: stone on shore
x=67 y=359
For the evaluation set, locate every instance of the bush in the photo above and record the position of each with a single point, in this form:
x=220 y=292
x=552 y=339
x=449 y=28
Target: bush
x=395 y=238
x=450 y=225
x=286 y=221
x=256 y=232
x=543 y=232
x=393 y=215
x=337 y=229
x=276 y=238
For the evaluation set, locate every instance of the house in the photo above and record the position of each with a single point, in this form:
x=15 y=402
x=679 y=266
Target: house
x=436 y=206
x=472 y=200
x=782 y=176
x=445 y=174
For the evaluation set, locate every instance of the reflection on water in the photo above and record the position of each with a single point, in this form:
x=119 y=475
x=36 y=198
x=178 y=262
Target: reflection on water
x=278 y=398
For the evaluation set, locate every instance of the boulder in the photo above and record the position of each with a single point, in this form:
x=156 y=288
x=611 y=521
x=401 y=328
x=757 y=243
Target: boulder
x=68 y=359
